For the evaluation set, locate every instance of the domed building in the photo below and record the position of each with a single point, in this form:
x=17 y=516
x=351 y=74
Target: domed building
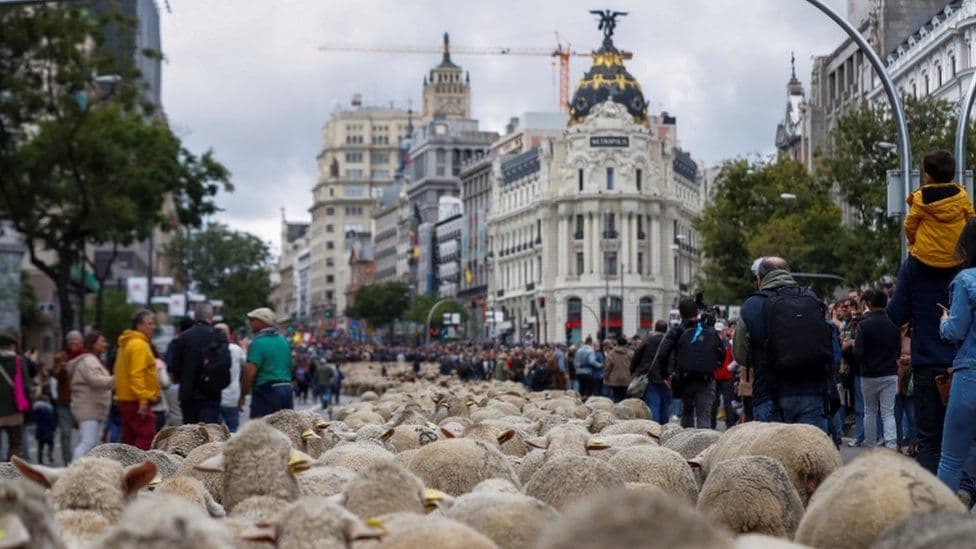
x=591 y=233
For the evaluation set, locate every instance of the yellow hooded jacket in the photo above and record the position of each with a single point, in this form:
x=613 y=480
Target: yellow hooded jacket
x=936 y=215
x=135 y=369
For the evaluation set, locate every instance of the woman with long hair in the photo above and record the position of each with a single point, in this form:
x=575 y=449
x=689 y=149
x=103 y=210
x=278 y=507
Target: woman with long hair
x=957 y=324
x=91 y=392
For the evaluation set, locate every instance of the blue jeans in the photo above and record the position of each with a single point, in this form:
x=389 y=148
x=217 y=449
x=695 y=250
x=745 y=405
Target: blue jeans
x=269 y=398
x=658 y=400
x=905 y=416
x=960 y=429
x=231 y=416
x=808 y=409
x=858 y=408
x=325 y=395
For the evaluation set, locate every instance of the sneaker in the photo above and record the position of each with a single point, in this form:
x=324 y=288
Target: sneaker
x=855 y=443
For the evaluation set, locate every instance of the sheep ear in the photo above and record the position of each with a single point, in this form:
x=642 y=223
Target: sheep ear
x=483 y=402
x=369 y=529
x=214 y=509
x=13 y=532
x=45 y=476
x=538 y=442
x=137 y=476
x=695 y=463
x=505 y=436
x=652 y=434
x=213 y=464
x=260 y=531
x=387 y=434
x=447 y=432
x=161 y=436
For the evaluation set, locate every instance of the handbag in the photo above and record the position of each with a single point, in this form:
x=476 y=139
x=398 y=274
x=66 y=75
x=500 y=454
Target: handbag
x=638 y=384
x=943 y=383
x=21 y=402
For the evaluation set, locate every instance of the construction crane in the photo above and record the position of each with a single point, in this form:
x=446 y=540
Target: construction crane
x=561 y=52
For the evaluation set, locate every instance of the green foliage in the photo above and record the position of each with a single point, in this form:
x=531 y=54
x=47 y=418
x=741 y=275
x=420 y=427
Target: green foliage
x=81 y=163
x=857 y=167
x=421 y=305
x=223 y=264
x=116 y=315
x=380 y=304
x=30 y=312
x=748 y=218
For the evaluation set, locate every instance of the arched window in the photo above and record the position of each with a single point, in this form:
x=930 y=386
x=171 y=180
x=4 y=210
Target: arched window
x=611 y=318
x=645 y=316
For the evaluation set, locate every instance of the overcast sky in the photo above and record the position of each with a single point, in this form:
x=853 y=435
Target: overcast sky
x=246 y=79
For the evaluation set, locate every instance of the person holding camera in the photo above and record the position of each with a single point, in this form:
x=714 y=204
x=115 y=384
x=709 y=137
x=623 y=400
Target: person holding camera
x=781 y=335
x=694 y=350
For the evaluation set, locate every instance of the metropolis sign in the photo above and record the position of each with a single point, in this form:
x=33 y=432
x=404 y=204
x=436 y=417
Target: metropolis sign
x=610 y=141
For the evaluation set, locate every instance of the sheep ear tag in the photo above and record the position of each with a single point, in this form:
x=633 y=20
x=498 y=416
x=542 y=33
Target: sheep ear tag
x=155 y=482
x=261 y=531
x=13 y=533
x=432 y=499
x=596 y=444
x=213 y=464
x=45 y=476
x=370 y=528
x=299 y=462
x=309 y=433
x=137 y=476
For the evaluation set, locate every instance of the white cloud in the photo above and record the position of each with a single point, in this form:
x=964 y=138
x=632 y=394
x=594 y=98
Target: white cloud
x=246 y=78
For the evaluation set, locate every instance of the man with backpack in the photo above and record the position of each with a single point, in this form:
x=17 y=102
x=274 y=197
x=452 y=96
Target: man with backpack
x=201 y=363
x=693 y=351
x=782 y=338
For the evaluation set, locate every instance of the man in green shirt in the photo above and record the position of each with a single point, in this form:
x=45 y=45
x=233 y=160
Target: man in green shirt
x=268 y=371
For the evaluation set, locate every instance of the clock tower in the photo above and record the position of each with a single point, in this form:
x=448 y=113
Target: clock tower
x=447 y=92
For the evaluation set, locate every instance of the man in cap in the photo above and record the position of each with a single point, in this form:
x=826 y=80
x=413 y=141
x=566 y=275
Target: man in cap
x=268 y=373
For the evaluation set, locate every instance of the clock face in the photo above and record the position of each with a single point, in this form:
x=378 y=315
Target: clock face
x=450 y=105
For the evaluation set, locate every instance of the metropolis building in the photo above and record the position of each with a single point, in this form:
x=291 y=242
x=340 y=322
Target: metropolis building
x=591 y=233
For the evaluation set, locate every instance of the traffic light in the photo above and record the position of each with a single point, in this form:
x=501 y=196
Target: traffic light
x=542 y=302
x=328 y=313
x=432 y=332
x=569 y=333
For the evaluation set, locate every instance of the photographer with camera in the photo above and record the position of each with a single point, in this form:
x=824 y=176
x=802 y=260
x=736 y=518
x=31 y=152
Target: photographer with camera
x=693 y=350
x=782 y=337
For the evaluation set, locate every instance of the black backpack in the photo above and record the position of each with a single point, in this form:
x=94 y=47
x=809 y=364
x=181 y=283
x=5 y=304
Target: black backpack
x=214 y=373
x=798 y=339
x=700 y=354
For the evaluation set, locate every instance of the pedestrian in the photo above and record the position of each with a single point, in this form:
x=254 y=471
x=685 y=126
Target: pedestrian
x=14 y=391
x=616 y=375
x=937 y=212
x=877 y=346
x=905 y=400
x=91 y=392
x=782 y=336
x=45 y=423
x=229 y=414
x=174 y=415
x=325 y=374
x=337 y=383
x=136 y=382
x=599 y=361
x=956 y=325
x=657 y=396
x=62 y=374
x=201 y=362
x=560 y=375
x=696 y=351
x=268 y=374
x=584 y=361
x=724 y=379
x=160 y=406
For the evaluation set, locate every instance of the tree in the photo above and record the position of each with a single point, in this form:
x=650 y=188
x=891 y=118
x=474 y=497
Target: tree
x=422 y=304
x=223 y=264
x=857 y=167
x=80 y=164
x=117 y=315
x=380 y=304
x=764 y=207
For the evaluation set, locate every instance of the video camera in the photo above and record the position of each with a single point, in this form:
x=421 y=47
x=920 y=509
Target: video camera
x=707 y=314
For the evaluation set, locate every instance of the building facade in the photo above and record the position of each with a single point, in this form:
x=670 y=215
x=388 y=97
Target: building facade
x=591 y=233
x=447 y=246
x=791 y=140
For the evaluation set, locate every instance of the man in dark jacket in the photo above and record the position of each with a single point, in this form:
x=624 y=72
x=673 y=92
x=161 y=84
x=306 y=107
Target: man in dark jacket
x=918 y=292
x=797 y=398
x=877 y=346
x=197 y=404
x=657 y=396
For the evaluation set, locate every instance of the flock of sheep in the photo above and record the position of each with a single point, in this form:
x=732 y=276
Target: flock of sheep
x=436 y=464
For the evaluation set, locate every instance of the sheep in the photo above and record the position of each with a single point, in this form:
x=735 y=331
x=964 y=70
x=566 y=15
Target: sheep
x=312 y=522
x=324 y=480
x=192 y=490
x=752 y=494
x=8 y=471
x=383 y=488
x=624 y=412
x=922 y=530
x=89 y=494
x=26 y=520
x=564 y=479
x=760 y=541
x=410 y=436
x=299 y=428
x=410 y=532
x=661 y=467
x=599 y=403
x=806 y=452
x=358 y=419
x=455 y=466
x=183 y=439
x=692 y=442
x=501 y=485
x=877 y=489
x=166 y=522
x=259 y=508
x=636 y=405
x=122 y=453
x=634 y=427
x=404 y=458
x=355 y=455
x=258 y=461
x=599 y=419
x=508 y=441
x=212 y=480
x=668 y=430
x=511 y=520
x=369 y=396
x=166 y=464
x=620 y=519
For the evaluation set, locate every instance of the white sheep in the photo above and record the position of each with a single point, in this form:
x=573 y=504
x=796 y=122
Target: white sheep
x=658 y=466
x=455 y=466
x=565 y=479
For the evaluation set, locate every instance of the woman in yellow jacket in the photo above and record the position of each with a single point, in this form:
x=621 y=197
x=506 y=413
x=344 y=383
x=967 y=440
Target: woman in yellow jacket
x=136 y=382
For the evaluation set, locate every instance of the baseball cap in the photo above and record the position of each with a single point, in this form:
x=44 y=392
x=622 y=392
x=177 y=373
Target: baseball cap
x=263 y=314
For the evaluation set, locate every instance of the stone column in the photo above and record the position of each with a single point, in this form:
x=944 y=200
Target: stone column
x=656 y=245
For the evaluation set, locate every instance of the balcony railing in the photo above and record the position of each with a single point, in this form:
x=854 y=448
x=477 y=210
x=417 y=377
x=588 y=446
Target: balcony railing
x=610 y=234
x=641 y=235
x=578 y=235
